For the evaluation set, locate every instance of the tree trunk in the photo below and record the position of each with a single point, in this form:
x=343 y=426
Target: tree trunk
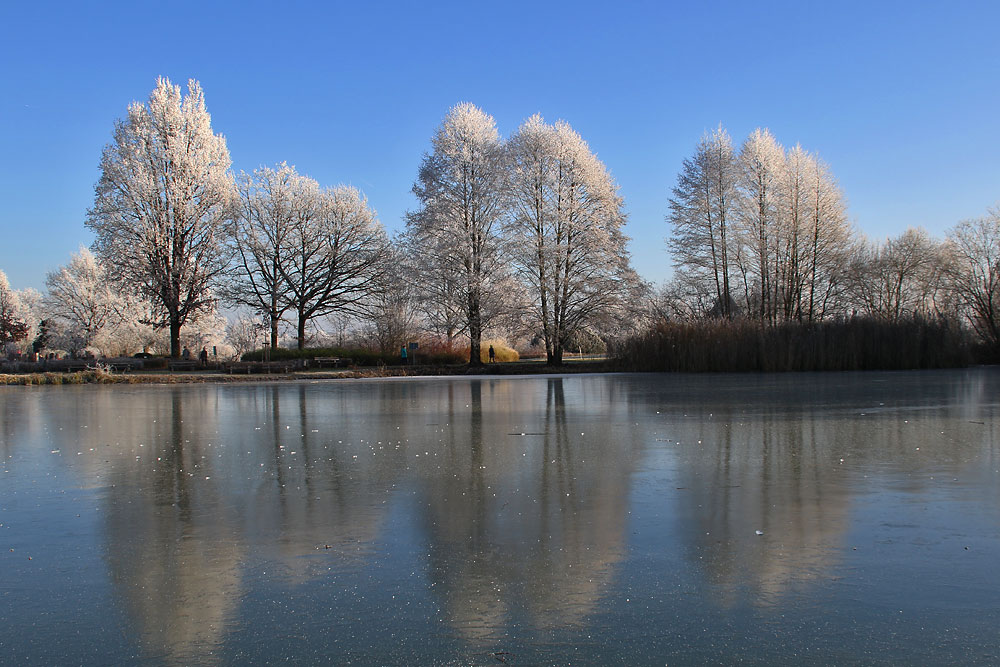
x=555 y=357
x=274 y=318
x=475 y=322
x=301 y=333
x=476 y=340
x=175 y=338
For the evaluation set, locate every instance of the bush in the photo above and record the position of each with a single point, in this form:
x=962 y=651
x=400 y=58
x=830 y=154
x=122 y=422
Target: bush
x=437 y=352
x=443 y=357
x=357 y=356
x=430 y=354
x=984 y=353
x=504 y=353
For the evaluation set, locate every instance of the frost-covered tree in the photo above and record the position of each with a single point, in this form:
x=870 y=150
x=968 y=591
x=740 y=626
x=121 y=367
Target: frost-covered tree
x=391 y=321
x=272 y=201
x=337 y=253
x=437 y=287
x=461 y=191
x=207 y=332
x=565 y=232
x=764 y=231
x=244 y=334
x=163 y=197
x=81 y=297
x=702 y=216
x=14 y=325
x=135 y=333
x=675 y=301
x=761 y=163
x=829 y=240
x=792 y=234
x=32 y=313
x=898 y=278
x=974 y=246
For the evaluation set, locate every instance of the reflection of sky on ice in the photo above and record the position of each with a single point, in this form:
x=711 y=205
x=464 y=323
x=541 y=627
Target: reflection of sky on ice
x=436 y=519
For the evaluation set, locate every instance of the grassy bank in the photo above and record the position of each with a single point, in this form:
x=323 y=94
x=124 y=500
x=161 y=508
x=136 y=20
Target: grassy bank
x=79 y=377
x=103 y=377
x=856 y=344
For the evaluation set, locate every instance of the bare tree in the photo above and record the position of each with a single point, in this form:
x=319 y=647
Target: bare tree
x=899 y=277
x=437 y=286
x=565 y=232
x=676 y=301
x=461 y=192
x=975 y=272
x=271 y=202
x=702 y=212
x=164 y=195
x=391 y=321
x=337 y=253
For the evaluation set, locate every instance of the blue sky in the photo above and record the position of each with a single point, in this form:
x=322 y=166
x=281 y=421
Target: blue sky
x=902 y=99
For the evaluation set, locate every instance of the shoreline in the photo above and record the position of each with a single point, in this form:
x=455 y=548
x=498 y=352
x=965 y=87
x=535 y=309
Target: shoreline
x=218 y=377
x=512 y=369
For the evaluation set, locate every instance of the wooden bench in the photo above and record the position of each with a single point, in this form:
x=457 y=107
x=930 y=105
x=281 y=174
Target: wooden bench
x=184 y=365
x=329 y=361
x=249 y=367
x=71 y=366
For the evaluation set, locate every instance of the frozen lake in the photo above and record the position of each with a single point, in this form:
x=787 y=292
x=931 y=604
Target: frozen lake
x=628 y=519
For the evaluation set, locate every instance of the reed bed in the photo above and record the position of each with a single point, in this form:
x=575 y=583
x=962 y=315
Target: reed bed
x=842 y=345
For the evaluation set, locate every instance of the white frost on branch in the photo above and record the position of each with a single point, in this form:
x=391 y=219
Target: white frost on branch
x=161 y=203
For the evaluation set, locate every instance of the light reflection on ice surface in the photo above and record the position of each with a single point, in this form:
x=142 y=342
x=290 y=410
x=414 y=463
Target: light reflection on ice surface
x=587 y=519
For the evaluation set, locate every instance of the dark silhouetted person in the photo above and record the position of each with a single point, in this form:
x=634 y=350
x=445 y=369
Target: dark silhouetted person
x=203 y=357
x=186 y=353
x=493 y=354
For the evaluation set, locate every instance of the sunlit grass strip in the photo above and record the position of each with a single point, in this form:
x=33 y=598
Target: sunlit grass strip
x=79 y=377
x=104 y=377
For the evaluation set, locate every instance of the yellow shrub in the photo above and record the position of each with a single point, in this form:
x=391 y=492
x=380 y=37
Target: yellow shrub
x=500 y=348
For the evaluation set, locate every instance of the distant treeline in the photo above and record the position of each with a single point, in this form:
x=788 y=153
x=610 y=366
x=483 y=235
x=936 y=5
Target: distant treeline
x=838 y=345
x=517 y=240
